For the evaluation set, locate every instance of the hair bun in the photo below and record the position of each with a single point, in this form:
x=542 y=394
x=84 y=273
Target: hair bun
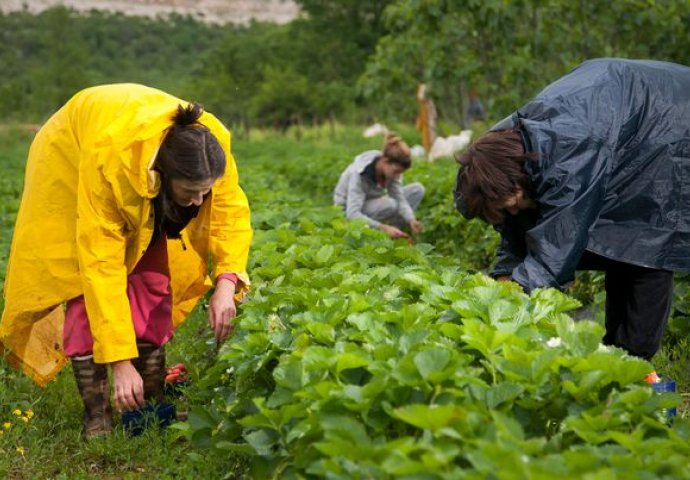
x=187 y=116
x=391 y=138
x=396 y=150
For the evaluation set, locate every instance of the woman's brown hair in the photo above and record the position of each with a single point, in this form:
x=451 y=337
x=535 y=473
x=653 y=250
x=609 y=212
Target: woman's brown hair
x=395 y=150
x=189 y=152
x=492 y=169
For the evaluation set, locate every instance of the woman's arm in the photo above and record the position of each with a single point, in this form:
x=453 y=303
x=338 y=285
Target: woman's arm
x=230 y=228
x=101 y=246
x=570 y=193
x=395 y=191
x=230 y=239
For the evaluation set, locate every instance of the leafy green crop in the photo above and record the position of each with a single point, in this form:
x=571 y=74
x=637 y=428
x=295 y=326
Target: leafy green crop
x=359 y=357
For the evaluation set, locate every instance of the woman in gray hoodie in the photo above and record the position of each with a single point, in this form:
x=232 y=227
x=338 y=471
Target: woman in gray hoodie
x=371 y=189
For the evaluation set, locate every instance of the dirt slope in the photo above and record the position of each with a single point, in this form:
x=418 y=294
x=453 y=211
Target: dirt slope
x=212 y=11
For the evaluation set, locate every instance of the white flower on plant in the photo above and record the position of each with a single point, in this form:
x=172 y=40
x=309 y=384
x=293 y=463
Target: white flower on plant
x=553 y=342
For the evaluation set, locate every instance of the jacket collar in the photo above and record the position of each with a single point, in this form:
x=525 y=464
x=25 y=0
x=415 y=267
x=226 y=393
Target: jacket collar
x=363 y=160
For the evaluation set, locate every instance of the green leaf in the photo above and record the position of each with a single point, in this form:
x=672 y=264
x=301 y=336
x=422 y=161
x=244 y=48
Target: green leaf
x=503 y=392
x=345 y=428
x=200 y=418
x=431 y=360
x=261 y=441
x=288 y=375
x=508 y=426
x=501 y=310
x=322 y=332
x=429 y=417
x=234 y=447
x=325 y=254
x=451 y=330
x=555 y=301
x=348 y=360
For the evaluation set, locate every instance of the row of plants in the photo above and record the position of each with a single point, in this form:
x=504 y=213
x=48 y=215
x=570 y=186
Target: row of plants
x=359 y=357
x=369 y=357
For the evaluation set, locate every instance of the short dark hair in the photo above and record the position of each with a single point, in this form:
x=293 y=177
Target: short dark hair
x=190 y=151
x=395 y=150
x=492 y=169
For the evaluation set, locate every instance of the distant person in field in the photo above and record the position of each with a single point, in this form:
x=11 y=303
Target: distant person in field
x=128 y=191
x=593 y=174
x=426 y=119
x=371 y=189
x=475 y=108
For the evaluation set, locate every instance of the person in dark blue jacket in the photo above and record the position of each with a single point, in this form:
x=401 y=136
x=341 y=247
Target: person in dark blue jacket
x=593 y=174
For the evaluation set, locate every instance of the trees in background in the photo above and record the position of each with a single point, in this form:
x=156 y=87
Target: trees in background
x=346 y=59
x=305 y=71
x=46 y=58
x=509 y=50
x=40 y=62
x=260 y=74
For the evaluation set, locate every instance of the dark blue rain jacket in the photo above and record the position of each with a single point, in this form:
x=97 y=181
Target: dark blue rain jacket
x=612 y=174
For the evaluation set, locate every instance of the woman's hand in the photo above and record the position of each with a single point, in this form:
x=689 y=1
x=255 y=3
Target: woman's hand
x=393 y=232
x=416 y=226
x=222 y=310
x=128 y=386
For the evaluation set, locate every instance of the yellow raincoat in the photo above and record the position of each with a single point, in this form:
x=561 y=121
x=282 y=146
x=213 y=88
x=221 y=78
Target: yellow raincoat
x=86 y=219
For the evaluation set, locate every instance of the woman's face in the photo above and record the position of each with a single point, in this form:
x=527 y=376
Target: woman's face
x=518 y=201
x=389 y=170
x=186 y=193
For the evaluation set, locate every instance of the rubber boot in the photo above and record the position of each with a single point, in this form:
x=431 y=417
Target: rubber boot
x=151 y=367
x=92 y=381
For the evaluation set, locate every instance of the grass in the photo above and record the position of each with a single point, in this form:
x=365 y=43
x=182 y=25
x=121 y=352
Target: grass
x=49 y=445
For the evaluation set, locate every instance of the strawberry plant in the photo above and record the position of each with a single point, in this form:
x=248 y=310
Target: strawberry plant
x=359 y=357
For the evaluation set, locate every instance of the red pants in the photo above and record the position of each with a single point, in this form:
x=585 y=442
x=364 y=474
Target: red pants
x=150 y=299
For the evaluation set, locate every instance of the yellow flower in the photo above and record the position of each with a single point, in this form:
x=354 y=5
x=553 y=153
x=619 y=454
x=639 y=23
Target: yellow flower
x=30 y=413
x=7 y=425
x=17 y=412
x=20 y=450
x=25 y=419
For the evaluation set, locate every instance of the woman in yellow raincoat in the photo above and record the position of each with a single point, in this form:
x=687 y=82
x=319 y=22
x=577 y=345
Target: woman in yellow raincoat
x=128 y=193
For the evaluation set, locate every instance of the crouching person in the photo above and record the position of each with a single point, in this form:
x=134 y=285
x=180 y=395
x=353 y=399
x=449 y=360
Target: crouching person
x=128 y=191
x=371 y=189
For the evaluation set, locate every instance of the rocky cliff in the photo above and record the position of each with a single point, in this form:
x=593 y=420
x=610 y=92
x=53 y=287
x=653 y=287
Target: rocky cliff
x=211 y=11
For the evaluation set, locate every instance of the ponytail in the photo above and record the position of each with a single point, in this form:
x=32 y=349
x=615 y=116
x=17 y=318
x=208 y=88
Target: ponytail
x=189 y=150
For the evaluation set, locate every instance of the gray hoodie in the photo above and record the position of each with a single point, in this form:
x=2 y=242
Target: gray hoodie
x=353 y=190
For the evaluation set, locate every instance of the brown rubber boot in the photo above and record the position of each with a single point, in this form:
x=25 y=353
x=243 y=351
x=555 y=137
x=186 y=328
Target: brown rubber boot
x=92 y=381
x=151 y=367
